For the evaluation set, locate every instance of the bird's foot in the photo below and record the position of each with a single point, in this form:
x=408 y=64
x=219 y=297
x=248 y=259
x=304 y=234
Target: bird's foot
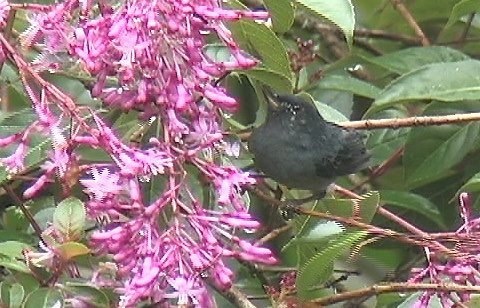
x=290 y=207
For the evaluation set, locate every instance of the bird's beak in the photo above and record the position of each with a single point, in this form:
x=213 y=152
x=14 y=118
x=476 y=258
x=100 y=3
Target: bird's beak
x=271 y=97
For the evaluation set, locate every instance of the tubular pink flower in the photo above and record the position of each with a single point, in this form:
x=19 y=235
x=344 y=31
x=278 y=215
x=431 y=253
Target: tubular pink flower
x=147 y=57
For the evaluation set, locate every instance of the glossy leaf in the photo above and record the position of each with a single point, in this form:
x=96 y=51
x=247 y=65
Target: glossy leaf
x=447 y=82
x=13 y=264
x=349 y=84
x=13 y=249
x=318 y=269
x=90 y=294
x=16 y=295
x=462 y=8
x=409 y=59
x=472 y=185
x=262 y=41
x=382 y=143
x=44 y=298
x=431 y=151
x=69 y=218
x=282 y=14
x=276 y=81
x=71 y=249
x=339 y=12
x=366 y=205
x=324 y=230
x=413 y=202
x=329 y=113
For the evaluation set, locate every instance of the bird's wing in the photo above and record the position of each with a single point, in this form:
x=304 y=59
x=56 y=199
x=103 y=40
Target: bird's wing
x=349 y=156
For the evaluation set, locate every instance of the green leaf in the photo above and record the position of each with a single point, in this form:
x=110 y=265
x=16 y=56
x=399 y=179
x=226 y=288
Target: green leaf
x=349 y=84
x=94 y=296
x=472 y=185
x=365 y=207
x=413 y=202
x=14 y=219
x=16 y=295
x=474 y=301
x=413 y=299
x=322 y=231
x=16 y=120
x=462 y=8
x=446 y=82
x=338 y=207
x=44 y=218
x=69 y=218
x=318 y=269
x=44 y=298
x=217 y=52
x=13 y=264
x=382 y=143
x=13 y=249
x=72 y=249
x=282 y=14
x=329 y=113
x=409 y=59
x=339 y=12
x=273 y=79
x=431 y=151
x=368 y=204
x=259 y=39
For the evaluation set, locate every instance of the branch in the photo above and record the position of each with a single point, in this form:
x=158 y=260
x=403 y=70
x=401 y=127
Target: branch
x=400 y=6
x=413 y=121
x=419 y=238
x=233 y=295
x=395 y=287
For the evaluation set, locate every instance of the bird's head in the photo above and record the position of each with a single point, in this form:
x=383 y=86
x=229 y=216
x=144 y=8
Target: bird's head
x=290 y=105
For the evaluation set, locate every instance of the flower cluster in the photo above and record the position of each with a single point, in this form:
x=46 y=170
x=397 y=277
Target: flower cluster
x=147 y=57
x=462 y=269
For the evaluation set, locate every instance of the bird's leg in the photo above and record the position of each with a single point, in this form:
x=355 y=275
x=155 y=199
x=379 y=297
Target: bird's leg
x=288 y=207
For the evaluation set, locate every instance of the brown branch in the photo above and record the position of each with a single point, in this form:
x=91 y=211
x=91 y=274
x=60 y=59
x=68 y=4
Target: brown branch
x=383 y=167
x=365 y=44
x=18 y=202
x=400 y=6
x=412 y=121
x=273 y=234
x=420 y=237
x=395 y=287
x=233 y=295
x=401 y=122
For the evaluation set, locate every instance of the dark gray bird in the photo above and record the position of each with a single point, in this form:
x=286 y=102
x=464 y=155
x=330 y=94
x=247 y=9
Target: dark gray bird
x=297 y=147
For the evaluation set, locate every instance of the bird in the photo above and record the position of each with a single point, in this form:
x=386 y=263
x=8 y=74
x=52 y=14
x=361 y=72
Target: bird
x=298 y=148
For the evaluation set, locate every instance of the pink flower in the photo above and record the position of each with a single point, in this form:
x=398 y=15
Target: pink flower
x=102 y=184
x=146 y=58
x=4 y=9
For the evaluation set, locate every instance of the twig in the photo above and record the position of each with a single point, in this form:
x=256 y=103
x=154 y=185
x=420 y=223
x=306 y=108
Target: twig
x=395 y=287
x=401 y=122
x=383 y=167
x=273 y=234
x=420 y=238
x=363 y=43
x=233 y=295
x=400 y=6
x=412 y=121
x=18 y=202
